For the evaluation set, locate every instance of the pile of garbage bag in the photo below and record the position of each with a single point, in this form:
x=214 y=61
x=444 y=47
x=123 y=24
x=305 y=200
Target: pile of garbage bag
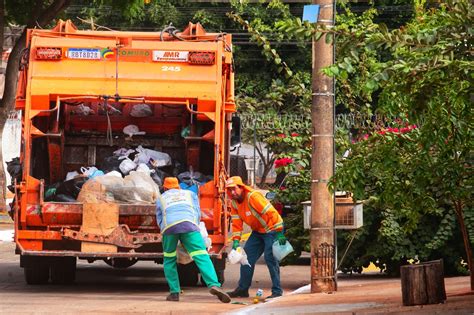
x=128 y=176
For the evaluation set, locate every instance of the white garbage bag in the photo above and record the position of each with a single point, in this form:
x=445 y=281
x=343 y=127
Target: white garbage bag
x=132 y=130
x=182 y=255
x=238 y=256
x=82 y=110
x=141 y=110
x=159 y=158
x=127 y=166
x=144 y=188
x=205 y=235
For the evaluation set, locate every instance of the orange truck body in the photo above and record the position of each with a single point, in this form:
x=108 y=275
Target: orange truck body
x=187 y=78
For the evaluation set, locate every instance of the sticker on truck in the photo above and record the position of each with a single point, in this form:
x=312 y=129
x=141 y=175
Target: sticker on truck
x=170 y=56
x=83 y=53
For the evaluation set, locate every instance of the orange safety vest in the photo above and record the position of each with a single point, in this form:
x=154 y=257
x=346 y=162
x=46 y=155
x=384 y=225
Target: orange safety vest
x=257 y=212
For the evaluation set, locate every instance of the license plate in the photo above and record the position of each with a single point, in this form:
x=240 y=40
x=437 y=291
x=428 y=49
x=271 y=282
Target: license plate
x=83 y=53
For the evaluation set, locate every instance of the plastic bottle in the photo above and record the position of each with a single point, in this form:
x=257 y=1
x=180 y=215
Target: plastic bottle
x=258 y=296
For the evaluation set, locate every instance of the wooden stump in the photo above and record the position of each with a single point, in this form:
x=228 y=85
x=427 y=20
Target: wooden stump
x=423 y=283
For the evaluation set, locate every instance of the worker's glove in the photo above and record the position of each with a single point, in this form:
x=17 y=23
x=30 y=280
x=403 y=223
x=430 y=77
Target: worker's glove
x=281 y=238
x=235 y=244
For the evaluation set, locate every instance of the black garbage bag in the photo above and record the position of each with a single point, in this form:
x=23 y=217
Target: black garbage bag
x=50 y=191
x=71 y=187
x=64 y=198
x=14 y=168
x=110 y=164
x=191 y=178
x=158 y=176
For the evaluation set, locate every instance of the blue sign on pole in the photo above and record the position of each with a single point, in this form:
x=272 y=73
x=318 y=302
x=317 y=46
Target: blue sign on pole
x=311 y=13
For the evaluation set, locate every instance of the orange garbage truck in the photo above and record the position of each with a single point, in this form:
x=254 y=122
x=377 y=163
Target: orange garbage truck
x=78 y=91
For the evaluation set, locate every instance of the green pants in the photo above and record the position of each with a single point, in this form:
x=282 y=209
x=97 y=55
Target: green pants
x=194 y=245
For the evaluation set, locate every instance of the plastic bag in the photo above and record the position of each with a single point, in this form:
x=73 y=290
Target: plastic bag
x=281 y=251
x=71 y=187
x=127 y=166
x=109 y=164
x=14 y=168
x=91 y=172
x=191 y=178
x=71 y=175
x=142 y=187
x=205 y=235
x=235 y=256
x=132 y=130
x=96 y=191
x=142 y=167
x=145 y=155
x=238 y=256
x=82 y=110
x=182 y=255
x=141 y=110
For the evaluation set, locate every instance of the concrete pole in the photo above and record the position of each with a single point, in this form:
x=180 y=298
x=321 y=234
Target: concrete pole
x=323 y=249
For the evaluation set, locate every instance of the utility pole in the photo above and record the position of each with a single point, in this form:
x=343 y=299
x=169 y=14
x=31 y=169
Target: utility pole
x=323 y=249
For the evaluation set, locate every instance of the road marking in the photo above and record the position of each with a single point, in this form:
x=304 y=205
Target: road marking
x=6 y=236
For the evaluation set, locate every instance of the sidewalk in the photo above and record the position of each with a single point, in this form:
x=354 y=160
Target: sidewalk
x=369 y=294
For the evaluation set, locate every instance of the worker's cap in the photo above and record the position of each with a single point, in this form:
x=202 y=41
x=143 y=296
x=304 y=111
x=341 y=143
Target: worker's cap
x=171 y=183
x=234 y=181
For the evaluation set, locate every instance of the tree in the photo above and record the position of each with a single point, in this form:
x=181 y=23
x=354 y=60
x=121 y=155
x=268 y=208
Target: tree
x=417 y=179
x=421 y=166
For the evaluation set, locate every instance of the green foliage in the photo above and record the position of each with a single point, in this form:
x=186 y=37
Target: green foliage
x=421 y=178
x=415 y=182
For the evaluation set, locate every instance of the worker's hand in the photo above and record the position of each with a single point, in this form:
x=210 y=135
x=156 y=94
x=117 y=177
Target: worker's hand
x=235 y=244
x=281 y=238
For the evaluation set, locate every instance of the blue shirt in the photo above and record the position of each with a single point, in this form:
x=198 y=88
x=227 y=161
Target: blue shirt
x=177 y=206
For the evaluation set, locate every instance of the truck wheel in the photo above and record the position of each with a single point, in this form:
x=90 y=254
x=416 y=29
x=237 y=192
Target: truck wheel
x=63 y=270
x=120 y=263
x=38 y=274
x=188 y=274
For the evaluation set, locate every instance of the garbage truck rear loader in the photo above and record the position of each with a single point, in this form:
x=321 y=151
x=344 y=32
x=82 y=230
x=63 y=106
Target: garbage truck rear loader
x=78 y=91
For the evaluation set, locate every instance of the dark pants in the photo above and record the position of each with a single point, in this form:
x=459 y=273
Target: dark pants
x=257 y=244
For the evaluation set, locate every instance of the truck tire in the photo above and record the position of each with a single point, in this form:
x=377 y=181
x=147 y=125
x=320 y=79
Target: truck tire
x=63 y=270
x=120 y=263
x=35 y=275
x=188 y=274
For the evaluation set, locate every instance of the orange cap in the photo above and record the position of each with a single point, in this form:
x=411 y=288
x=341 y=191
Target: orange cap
x=234 y=181
x=171 y=183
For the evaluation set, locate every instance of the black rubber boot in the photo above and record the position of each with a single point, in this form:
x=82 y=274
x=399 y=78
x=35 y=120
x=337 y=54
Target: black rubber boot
x=173 y=297
x=238 y=293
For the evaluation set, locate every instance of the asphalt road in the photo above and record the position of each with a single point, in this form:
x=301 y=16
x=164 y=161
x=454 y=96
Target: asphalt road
x=142 y=288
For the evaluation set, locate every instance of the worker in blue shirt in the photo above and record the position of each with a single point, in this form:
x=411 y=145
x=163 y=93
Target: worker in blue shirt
x=178 y=215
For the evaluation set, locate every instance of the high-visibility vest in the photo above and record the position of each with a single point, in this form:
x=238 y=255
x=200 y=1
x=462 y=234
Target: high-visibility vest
x=257 y=212
x=175 y=206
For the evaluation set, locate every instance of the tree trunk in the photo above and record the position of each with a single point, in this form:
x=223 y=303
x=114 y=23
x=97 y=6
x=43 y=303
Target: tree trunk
x=467 y=243
x=2 y=28
x=423 y=283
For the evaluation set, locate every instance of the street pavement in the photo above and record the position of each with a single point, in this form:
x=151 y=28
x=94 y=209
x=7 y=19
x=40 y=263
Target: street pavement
x=100 y=289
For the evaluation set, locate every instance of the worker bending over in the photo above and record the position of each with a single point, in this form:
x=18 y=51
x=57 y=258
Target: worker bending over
x=178 y=215
x=249 y=206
